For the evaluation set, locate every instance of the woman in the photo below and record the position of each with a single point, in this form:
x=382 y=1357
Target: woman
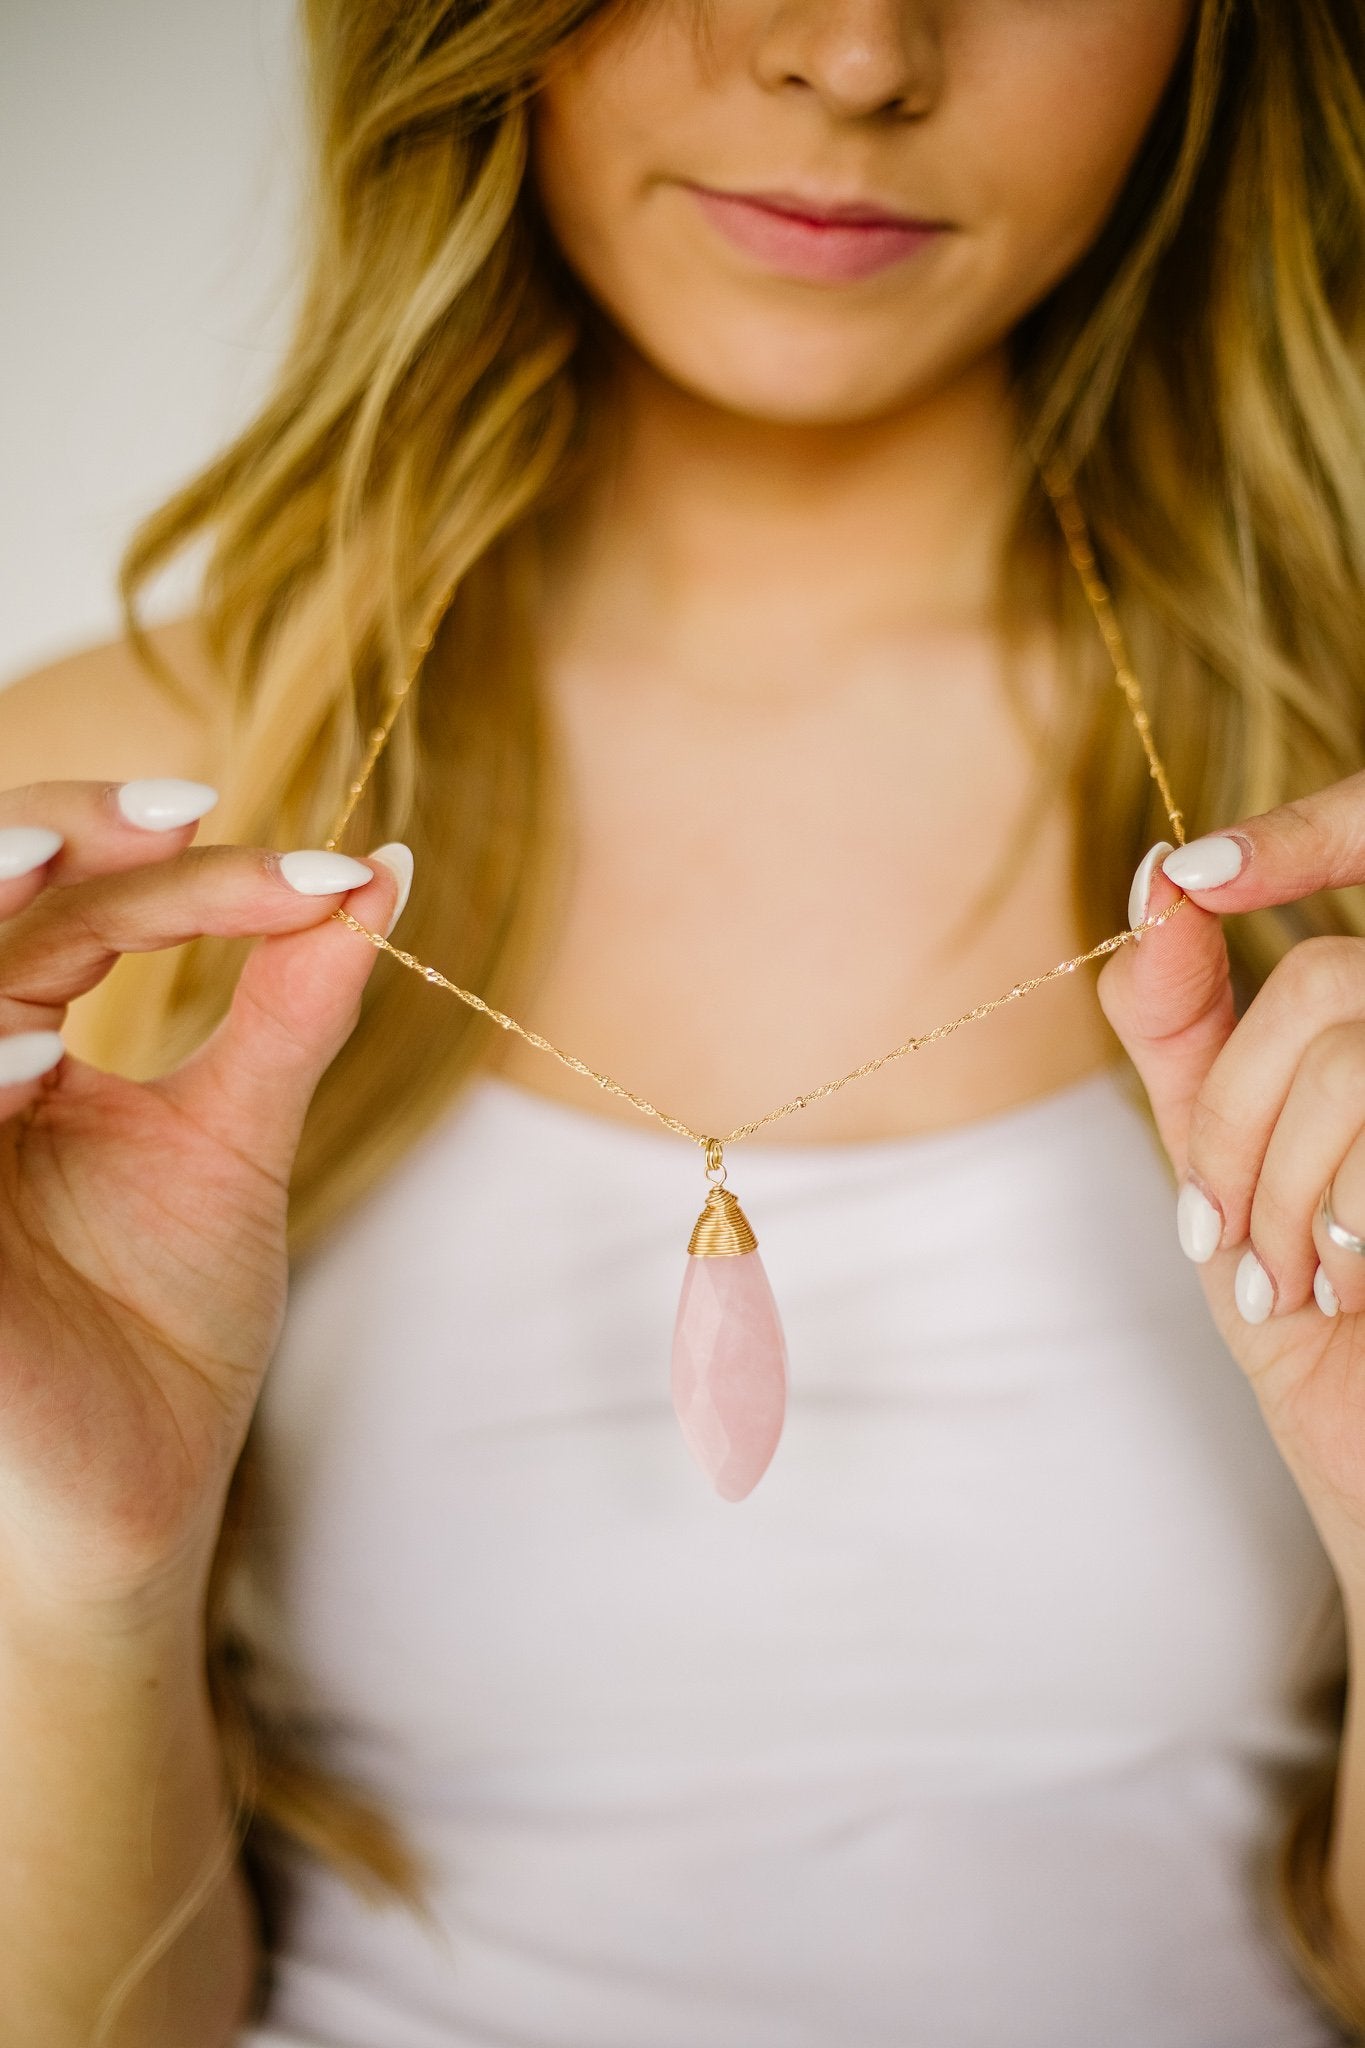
x=765 y=718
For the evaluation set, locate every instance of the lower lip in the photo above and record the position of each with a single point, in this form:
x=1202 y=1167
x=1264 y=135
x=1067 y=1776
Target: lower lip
x=829 y=251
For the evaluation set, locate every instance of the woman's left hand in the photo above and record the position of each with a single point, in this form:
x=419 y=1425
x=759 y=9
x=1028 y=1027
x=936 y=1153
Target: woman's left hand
x=1258 y=1115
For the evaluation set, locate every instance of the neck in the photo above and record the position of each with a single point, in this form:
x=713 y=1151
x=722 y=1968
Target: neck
x=702 y=525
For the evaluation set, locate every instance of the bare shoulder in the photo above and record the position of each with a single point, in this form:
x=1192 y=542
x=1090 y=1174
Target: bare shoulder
x=101 y=714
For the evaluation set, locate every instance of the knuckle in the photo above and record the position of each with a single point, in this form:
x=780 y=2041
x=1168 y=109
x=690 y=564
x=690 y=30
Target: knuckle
x=1299 y=822
x=1334 y=1061
x=1273 y=1225
x=79 y=909
x=192 y=863
x=277 y=1029
x=1321 y=971
x=1211 y=1129
x=1322 y=835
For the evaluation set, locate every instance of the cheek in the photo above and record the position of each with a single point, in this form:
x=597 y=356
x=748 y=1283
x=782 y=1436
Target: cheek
x=578 y=170
x=601 y=131
x=1052 y=116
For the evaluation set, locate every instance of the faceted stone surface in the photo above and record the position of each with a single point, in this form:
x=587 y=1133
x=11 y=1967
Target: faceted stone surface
x=729 y=1370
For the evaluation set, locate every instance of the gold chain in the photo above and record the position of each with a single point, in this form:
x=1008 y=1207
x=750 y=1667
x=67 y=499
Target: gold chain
x=1082 y=555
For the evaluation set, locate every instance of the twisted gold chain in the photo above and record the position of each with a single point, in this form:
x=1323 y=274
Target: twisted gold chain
x=1082 y=555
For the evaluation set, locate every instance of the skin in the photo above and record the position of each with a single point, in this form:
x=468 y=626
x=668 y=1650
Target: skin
x=770 y=614
x=765 y=631
x=1013 y=120
x=767 y=618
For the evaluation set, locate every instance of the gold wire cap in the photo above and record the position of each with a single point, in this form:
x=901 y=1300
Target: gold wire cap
x=722 y=1230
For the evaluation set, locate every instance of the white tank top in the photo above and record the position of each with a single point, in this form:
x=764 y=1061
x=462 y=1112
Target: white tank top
x=961 y=1731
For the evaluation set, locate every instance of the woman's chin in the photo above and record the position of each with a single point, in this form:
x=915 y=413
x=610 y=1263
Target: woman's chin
x=762 y=380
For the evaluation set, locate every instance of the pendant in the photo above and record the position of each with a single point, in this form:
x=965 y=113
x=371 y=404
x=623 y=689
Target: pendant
x=729 y=1353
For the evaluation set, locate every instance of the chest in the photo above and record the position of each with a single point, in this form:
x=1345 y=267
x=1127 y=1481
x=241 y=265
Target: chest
x=1024 y=1495
x=757 y=894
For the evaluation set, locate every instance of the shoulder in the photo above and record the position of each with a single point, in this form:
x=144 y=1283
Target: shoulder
x=102 y=714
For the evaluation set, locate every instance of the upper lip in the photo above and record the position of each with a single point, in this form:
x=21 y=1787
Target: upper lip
x=815 y=208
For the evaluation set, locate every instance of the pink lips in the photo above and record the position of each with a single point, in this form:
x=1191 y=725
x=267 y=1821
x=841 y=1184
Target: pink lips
x=827 y=246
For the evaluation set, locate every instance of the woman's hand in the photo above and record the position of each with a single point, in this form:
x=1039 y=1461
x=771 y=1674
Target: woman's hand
x=1258 y=1115
x=143 y=1267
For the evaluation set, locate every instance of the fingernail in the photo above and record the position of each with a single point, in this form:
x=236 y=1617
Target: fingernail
x=1142 y=883
x=25 y=847
x=1198 y=1224
x=26 y=1054
x=397 y=858
x=317 y=871
x=1205 y=863
x=1325 y=1294
x=1253 y=1289
x=159 y=802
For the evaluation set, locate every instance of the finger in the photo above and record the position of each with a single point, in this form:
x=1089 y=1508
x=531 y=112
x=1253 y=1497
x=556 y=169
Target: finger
x=53 y=833
x=1339 y=1283
x=1310 y=843
x=1168 y=995
x=66 y=940
x=1320 y=983
x=1323 y=1111
x=296 y=1002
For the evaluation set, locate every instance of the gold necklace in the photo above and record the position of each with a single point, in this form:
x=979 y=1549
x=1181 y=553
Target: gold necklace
x=729 y=1362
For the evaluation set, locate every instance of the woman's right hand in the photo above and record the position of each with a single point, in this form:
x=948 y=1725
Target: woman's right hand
x=143 y=1265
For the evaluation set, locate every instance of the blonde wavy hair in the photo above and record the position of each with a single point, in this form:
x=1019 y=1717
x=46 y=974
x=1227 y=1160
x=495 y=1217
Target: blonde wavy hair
x=1200 y=372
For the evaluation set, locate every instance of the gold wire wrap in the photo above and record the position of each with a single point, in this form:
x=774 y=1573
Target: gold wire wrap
x=1076 y=535
x=722 y=1231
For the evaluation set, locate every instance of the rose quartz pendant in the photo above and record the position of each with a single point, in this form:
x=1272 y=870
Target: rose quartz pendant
x=729 y=1353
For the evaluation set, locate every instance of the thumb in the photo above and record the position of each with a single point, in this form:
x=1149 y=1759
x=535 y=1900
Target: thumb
x=1168 y=995
x=296 y=1002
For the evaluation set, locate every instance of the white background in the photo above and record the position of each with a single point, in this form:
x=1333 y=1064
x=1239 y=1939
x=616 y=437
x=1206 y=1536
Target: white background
x=150 y=165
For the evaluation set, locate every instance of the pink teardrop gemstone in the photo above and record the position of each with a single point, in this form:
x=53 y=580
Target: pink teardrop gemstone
x=729 y=1370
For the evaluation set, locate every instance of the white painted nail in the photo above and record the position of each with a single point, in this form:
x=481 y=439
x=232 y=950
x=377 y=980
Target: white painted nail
x=1205 y=863
x=25 y=847
x=26 y=1054
x=317 y=871
x=1252 y=1289
x=1325 y=1294
x=1198 y=1224
x=1142 y=883
x=397 y=858
x=159 y=802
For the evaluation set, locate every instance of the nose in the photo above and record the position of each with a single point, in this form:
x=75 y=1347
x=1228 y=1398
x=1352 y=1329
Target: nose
x=861 y=56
